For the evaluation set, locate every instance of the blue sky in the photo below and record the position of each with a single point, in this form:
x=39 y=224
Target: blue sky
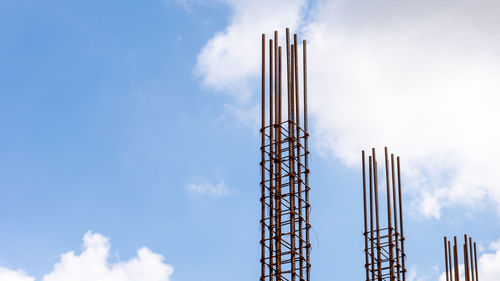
x=110 y=110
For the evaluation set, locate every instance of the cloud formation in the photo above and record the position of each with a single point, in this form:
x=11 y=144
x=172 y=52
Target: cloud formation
x=93 y=265
x=207 y=188
x=488 y=263
x=14 y=275
x=227 y=61
x=417 y=76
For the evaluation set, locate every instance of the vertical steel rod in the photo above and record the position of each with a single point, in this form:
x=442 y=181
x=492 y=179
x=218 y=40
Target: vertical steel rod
x=449 y=261
x=278 y=186
x=396 y=232
x=475 y=261
x=389 y=216
x=306 y=144
x=446 y=259
x=455 y=256
x=401 y=221
x=372 y=243
x=299 y=164
x=291 y=164
x=365 y=218
x=466 y=259
x=296 y=67
x=271 y=162
x=375 y=184
x=288 y=78
x=263 y=163
x=471 y=259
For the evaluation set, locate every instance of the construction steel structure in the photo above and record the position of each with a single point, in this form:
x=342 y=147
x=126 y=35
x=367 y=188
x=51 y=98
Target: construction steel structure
x=452 y=263
x=285 y=187
x=384 y=246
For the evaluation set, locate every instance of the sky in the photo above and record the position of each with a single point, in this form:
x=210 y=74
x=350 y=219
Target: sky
x=129 y=133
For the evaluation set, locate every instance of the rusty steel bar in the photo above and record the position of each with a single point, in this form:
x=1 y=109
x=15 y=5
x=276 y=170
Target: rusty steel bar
x=471 y=259
x=446 y=259
x=276 y=71
x=372 y=245
x=271 y=163
x=475 y=261
x=296 y=67
x=449 y=260
x=401 y=233
x=466 y=264
x=291 y=164
x=263 y=163
x=367 y=270
x=277 y=177
x=278 y=187
x=306 y=160
x=466 y=259
x=455 y=255
x=288 y=78
x=375 y=183
x=394 y=200
x=292 y=91
x=299 y=166
x=389 y=216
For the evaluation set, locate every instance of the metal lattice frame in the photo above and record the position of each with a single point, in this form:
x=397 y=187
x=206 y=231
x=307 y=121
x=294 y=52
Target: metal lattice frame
x=470 y=260
x=285 y=247
x=384 y=247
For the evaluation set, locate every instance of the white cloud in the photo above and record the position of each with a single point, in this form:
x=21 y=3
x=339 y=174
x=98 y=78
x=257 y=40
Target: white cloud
x=93 y=265
x=227 y=62
x=206 y=188
x=489 y=268
x=14 y=275
x=418 y=76
x=416 y=273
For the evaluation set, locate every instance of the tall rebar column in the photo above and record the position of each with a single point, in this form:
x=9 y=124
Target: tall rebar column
x=384 y=246
x=285 y=208
x=452 y=264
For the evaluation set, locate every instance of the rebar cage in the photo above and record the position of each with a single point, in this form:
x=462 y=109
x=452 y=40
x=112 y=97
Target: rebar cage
x=384 y=247
x=453 y=265
x=285 y=246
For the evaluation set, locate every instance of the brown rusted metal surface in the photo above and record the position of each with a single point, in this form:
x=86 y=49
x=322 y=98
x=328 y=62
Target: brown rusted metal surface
x=384 y=246
x=285 y=226
x=452 y=265
x=475 y=260
x=446 y=258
